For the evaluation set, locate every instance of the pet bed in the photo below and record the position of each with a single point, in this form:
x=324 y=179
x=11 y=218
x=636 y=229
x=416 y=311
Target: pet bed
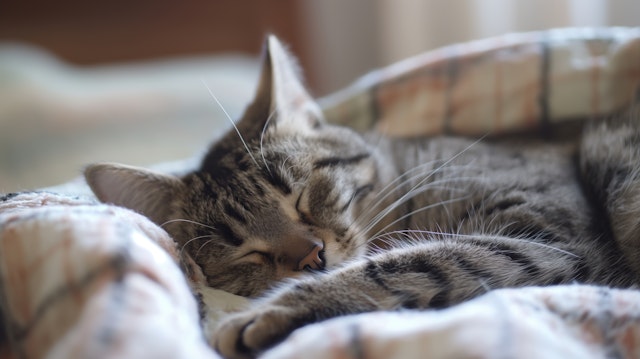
x=81 y=279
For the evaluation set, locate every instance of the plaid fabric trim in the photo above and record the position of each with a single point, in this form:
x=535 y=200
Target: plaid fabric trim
x=512 y=83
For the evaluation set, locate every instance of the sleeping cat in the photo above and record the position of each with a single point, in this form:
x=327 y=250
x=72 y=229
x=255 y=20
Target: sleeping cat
x=370 y=223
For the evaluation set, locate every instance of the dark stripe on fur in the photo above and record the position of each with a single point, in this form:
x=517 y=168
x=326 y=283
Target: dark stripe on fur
x=226 y=234
x=240 y=346
x=207 y=187
x=515 y=256
x=470 y=268
x=440 y=300
x=221 y=174
x=409 y=301
x=372 y=271
x=504 y=205
x=232 y=212
x=436 y=273
x=278 y=181
x=257 y=187
x=357 y=194
x=418 y=265
x=340 y=161
x=583 y=271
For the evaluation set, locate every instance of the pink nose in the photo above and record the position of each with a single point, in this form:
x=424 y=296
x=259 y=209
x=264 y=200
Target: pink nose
x=312 y=260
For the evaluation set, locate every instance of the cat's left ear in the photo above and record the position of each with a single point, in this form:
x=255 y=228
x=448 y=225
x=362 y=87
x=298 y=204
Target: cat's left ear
x=144 y=191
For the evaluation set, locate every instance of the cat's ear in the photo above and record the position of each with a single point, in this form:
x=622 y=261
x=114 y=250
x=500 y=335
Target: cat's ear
x=141 y=190
x=290 y=106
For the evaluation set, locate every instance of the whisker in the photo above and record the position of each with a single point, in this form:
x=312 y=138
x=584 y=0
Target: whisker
x=381 y=233
x=202 y=246
x=431 y=173
x=547 y=246
x=411 y=194
x=417 y=211
x=187 y=221
x=406 y=180
x=232 y=122
x=393 y=185
x=474 y=237
x=264 y=129
x=191 y=240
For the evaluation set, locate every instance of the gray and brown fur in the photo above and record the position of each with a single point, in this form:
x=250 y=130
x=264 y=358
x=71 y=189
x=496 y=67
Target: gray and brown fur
x=370 y=223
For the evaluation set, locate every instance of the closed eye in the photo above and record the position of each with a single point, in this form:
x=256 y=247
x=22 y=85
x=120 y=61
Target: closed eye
x=357 y=194
x=362 y=191
x=257 y=256
x=340 y=161
x=304 y=217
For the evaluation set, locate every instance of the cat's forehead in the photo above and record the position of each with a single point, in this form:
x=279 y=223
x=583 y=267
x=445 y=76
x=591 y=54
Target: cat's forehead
x=239 y=176
x=277 y=161
x=326 y=140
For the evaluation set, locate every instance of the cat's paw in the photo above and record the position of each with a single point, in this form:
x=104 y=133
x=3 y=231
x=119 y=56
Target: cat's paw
x=245 y=335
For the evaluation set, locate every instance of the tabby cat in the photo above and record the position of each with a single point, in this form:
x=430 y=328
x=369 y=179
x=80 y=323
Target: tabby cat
x=369 y=223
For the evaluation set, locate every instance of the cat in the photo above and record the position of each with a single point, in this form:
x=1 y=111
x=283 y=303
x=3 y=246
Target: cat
x=365 y=223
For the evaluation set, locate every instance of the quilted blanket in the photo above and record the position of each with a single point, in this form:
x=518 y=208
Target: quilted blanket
x=82 y=279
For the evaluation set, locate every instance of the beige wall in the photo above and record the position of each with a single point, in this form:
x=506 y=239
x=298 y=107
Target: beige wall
x=347 y=38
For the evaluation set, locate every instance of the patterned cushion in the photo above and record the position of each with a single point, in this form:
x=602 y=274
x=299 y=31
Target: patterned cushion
x=513 y=83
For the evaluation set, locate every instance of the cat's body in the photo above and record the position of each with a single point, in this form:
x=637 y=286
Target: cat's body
x=447 y=218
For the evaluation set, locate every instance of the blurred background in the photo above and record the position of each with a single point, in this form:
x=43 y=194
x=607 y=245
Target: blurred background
x=122 y=81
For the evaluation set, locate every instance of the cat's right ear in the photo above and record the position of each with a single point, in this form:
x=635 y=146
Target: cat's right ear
x=281 y=96
x=141 y=190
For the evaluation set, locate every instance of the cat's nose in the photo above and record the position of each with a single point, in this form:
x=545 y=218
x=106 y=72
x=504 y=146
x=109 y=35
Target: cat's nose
x=313 y=260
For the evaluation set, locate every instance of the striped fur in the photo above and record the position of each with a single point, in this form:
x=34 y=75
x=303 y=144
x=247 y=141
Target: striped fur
x=380 y=223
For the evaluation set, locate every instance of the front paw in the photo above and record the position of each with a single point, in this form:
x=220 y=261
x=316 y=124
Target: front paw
x=245 y=335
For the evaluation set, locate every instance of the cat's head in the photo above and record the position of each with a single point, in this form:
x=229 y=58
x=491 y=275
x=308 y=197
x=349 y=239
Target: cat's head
x=282 y=202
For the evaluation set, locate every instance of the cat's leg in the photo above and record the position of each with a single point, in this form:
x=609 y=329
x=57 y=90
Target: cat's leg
x=610 y=165
x=428 y=275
